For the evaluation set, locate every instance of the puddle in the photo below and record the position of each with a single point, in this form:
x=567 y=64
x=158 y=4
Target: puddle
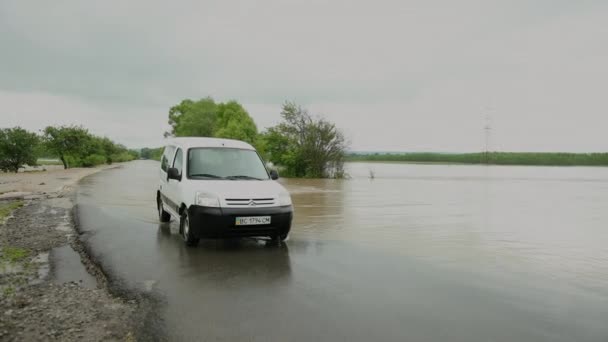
x=67 y=268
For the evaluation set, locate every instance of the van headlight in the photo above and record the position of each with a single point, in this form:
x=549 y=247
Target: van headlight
x=206 y=200
x=284 y=198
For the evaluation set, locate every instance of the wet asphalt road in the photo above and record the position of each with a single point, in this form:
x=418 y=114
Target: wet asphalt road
x=421 y=253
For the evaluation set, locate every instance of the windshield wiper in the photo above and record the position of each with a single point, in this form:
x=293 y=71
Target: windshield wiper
x=242 y=177
x=208 y=175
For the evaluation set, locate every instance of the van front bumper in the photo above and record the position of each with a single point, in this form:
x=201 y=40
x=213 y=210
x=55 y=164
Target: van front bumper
x=211 y=222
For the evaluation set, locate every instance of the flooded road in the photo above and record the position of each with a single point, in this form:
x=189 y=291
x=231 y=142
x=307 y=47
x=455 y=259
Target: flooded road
x=420 y=253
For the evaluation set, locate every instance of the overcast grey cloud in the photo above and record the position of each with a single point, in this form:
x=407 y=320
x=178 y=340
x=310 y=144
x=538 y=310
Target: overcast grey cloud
x=395 y=75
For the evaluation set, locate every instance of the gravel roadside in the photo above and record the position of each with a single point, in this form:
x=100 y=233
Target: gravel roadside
x=34 y=305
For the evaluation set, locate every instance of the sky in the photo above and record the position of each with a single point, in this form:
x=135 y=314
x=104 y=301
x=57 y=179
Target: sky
x=393 y=75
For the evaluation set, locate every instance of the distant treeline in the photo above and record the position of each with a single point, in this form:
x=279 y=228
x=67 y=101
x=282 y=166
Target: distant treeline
x=496 y=158
x=74 y=146
x=151 y=153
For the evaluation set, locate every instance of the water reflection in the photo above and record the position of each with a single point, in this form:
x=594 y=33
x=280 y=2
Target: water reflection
x=221 y=282
x=256 y=260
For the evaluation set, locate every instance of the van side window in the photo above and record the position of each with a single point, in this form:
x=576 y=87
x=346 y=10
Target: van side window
x=164 y=162
x=179 y=161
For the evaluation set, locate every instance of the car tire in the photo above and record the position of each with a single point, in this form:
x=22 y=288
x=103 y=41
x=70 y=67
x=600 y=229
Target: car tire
x=163 y=216
x=184 y=225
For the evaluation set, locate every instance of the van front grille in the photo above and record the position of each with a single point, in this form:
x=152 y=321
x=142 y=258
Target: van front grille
x=249 y=202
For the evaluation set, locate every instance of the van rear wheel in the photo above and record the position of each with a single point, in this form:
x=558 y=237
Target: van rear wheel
x=189 y=239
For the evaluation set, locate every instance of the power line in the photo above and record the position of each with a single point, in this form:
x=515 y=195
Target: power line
x=488 y=131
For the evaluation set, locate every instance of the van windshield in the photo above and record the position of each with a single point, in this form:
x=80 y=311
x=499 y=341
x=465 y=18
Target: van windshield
x=225 y=163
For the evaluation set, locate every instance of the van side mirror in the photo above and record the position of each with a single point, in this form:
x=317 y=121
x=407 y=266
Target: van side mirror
x=173 y=173
x=274 y=174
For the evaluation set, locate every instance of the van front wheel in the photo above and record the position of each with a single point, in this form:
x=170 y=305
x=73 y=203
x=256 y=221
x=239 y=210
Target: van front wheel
x=163 y=216
x=279 y=237
x=189 y=239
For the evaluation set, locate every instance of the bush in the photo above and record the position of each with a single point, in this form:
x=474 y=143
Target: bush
x=73 y=161
x=305 y=146
x=88 y=161
x=122 y=157
x=93 y=160
x=18 y=147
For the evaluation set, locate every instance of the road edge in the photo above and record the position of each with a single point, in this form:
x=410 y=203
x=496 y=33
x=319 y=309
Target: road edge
x=62 y=311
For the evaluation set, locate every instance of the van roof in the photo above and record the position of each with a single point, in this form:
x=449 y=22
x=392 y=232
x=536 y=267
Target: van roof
x=190 y=142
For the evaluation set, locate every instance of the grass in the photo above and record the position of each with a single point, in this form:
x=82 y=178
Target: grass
x=495 y=158
x=7 y=208
x=8 y=291
x=14 y=254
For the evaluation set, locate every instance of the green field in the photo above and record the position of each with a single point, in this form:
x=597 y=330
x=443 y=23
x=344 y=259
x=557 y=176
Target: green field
x=49 y=162
x=494 y=158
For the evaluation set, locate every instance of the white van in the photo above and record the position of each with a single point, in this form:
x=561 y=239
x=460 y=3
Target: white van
x=220 y=188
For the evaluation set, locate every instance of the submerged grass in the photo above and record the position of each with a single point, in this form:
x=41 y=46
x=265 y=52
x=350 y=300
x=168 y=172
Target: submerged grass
x=495 y=158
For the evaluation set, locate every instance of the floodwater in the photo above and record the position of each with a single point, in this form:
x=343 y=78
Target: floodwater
x=419 y=253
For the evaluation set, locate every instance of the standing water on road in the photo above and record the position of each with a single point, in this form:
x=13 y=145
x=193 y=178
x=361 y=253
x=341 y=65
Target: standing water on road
x=420 y=252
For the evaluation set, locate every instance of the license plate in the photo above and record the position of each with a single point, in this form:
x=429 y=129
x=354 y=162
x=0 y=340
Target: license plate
x=252 y=220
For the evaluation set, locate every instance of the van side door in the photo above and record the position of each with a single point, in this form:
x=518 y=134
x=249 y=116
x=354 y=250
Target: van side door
x=164 y=166
x=173 y=185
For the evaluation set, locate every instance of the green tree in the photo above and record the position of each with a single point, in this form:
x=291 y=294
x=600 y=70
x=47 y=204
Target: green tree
x=67 y=141
x=324 y=150
x=233 y=122
x=134 y=154
x=157 y=153
x=18 y=147
x=151 y=153
x=108 y=148
x=193 y=118
x=206 y=118
x=276 y=147
x=305 y=146
x=145 y=153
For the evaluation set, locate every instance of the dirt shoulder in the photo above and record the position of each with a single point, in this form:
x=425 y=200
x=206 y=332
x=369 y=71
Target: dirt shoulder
x=35 y=304
x=43 y=180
